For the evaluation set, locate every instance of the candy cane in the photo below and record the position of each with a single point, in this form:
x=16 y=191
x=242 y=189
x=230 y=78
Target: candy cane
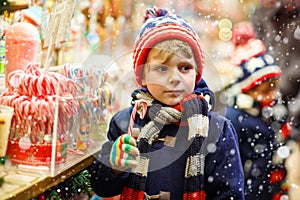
x=31 y=92
x=134 y=111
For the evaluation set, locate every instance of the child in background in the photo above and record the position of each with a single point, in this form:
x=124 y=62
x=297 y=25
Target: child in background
x=277 y=24
x=177 y=148
x=257 y=116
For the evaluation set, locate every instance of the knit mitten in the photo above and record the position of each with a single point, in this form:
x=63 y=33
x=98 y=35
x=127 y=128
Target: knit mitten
x=163 y=115
x=195 y=110
x=123 y=153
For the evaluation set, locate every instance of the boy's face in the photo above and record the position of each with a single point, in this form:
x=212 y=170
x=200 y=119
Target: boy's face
x=266 y=92
x=171 y=81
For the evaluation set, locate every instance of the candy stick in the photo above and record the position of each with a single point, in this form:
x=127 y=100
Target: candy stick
x=59 y=23
x=41 y=129
x=28 y=124
x=17 y=134
x=49 y=52
x=143 y=103
x=54 y=136
x=34 y=131
x=13 y=129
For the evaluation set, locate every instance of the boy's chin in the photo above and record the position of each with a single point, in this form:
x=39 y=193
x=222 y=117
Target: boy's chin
x=168 y=100
x=171 y=102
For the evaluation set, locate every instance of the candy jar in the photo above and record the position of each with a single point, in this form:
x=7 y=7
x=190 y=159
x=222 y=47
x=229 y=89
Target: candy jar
x=22 y=45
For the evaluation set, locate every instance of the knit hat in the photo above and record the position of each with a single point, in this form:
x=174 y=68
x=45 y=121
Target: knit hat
x=160 y=25
x=253 y=65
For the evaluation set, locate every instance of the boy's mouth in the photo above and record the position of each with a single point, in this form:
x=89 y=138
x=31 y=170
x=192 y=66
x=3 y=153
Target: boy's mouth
x=174 y=92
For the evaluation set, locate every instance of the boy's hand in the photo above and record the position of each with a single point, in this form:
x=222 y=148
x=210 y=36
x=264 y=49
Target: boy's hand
x=193 y=105
x=123 y=153
x=195 y=109
x=163 y=115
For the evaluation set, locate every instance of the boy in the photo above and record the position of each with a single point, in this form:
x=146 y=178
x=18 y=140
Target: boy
x=258 y=120
x=177 y=147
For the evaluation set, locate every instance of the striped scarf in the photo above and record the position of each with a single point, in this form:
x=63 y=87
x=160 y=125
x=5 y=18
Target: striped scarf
x=194 y=170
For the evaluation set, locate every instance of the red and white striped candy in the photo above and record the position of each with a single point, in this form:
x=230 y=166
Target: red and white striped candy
x=136 y=107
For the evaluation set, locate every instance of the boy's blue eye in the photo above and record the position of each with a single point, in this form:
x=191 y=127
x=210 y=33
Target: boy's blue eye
x=186 y=67
x=162 y=68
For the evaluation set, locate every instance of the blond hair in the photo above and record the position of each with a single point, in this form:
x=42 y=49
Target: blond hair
x=162 y=51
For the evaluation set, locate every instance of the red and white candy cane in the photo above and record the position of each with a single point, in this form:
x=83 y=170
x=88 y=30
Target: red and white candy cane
x=137 y=105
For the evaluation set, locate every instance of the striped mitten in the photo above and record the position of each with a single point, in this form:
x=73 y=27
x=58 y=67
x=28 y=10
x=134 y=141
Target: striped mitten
x=123 y=153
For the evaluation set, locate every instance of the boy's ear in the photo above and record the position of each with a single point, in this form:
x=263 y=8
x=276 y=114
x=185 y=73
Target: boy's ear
x=143 y=82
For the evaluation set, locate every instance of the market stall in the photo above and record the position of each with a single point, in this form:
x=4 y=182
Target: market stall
x=54 y=108
x=66 y=68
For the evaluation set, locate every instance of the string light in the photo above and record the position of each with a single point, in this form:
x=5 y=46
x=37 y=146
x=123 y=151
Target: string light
x=225 y=32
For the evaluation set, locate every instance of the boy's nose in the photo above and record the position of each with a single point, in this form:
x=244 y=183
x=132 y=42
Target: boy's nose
x=174 y=77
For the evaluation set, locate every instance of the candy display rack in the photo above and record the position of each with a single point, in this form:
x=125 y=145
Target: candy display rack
x=39 y=102
x=59 y=141
x=60 y=119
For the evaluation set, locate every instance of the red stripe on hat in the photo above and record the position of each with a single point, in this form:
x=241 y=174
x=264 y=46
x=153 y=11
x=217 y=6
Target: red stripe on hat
x=161 y=33
x=156 y=34
x=259 y=80
x=167 y=29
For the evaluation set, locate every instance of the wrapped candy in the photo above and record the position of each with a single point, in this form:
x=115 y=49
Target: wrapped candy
x=94 y=97
x=80 y=123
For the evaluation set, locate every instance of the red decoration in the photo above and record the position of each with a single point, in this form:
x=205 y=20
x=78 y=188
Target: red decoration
x=277 y=196
x=277 y=176
x=242 y=33
x=37 y=153
x=41 y=197
x=286 y=130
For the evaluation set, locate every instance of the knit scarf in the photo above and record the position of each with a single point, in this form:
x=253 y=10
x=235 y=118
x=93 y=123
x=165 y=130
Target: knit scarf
x=134 y=188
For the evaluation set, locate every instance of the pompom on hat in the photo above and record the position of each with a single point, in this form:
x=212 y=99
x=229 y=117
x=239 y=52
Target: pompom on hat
x=252 y=64
x=160 y=25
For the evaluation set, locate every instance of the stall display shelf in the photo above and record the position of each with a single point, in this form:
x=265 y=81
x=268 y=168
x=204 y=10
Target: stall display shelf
x=28 y=183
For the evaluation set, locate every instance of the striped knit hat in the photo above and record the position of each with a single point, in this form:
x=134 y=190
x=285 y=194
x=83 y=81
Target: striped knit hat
x=253 y=65
x=160 y=25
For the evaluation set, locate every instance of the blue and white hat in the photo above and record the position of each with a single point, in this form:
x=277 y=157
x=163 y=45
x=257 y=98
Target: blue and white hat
x=252 y=64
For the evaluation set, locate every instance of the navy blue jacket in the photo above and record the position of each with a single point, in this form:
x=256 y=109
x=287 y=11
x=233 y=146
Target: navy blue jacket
x=257 y=144
x=224 y=178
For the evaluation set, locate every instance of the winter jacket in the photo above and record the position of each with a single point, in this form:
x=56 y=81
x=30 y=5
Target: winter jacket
x=224 y=178
x=257 y=146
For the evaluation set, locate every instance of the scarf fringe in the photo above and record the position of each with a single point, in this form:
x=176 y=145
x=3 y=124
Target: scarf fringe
x=200 y=195
x=132 y=194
